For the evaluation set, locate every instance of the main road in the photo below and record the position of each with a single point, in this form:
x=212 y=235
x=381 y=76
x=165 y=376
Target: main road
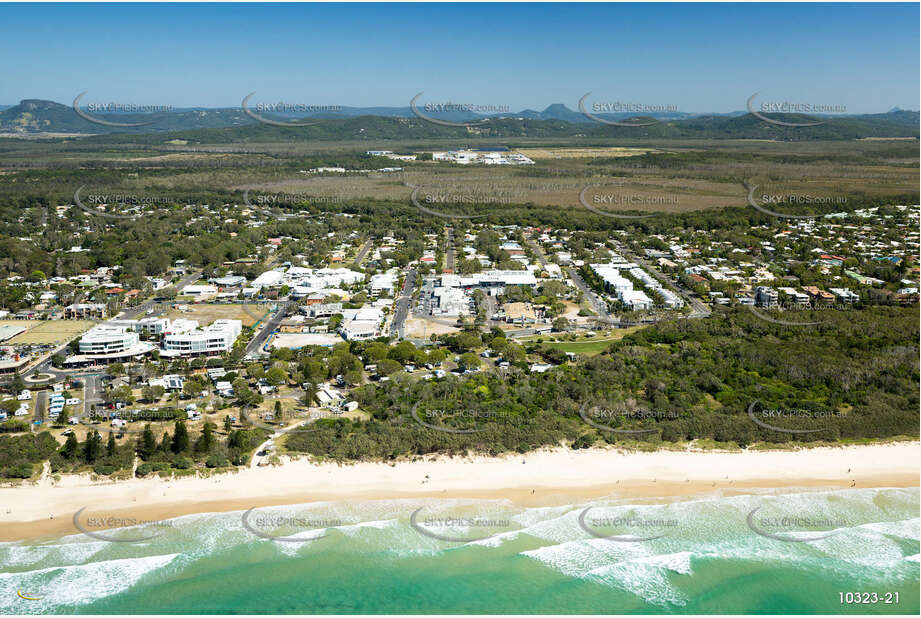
x=402 y=305
x=270 y=325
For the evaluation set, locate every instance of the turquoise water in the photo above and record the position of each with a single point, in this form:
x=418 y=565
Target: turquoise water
x=696 y=555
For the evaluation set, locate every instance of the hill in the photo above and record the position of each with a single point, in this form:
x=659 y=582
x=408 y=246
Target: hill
x=34 y=117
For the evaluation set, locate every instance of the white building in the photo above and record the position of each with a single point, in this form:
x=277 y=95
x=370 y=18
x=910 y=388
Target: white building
x=148 y=326
x=108 y=339
x=492 y=281
x=364 y=323
x=451 y=302
x=214 y=339
x=199 y=290
x=383 y=283
x=845 y=295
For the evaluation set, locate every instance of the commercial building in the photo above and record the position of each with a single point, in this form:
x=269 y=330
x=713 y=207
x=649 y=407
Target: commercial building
x=491 y=281
x=217 y=338
x=364 y=323
x=108 y=343
x=107 y=339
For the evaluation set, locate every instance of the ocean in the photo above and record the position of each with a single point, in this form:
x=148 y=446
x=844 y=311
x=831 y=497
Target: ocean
x=793 y=552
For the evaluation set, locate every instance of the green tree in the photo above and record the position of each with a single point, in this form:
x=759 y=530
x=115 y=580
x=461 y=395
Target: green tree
x=206 y=440
x=147 y=444
x=180 y=443
x=255 y=371
x=276 y=376
x=71 y=447
x=469 y=361
x=92 y=447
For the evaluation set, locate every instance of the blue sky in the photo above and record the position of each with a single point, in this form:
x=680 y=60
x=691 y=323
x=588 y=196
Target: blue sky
x=698 y=57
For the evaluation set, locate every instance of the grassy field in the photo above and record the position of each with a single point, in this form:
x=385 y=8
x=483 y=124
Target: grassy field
x=588 y=346
x=48 y=332
x=206 y=313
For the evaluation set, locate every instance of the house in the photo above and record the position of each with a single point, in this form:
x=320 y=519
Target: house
x=80 y=311
x=328 y=396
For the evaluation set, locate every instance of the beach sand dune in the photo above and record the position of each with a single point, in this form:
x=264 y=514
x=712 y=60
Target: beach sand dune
x=547 y=477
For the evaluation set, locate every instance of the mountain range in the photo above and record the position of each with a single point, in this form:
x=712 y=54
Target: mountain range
x=36 y=117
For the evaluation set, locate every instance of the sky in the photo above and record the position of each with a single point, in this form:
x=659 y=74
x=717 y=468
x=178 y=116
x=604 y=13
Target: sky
x=694 y=57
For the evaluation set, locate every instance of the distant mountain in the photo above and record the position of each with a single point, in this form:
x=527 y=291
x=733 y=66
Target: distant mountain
x=40 y=116
x=36 y=116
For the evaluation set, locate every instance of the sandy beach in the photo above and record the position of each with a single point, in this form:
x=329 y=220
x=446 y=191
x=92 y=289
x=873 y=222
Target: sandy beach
x=546 y=477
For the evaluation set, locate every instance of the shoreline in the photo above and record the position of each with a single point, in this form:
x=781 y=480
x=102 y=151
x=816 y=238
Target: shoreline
x=541 y=478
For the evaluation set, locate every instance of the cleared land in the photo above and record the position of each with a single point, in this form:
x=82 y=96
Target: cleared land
x=48 y=332
x=207 y=313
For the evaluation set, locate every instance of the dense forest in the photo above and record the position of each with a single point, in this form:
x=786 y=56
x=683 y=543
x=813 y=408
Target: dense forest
x=855 y=376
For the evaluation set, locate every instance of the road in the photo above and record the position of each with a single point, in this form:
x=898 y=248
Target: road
x=538 y=251
x=269 y=326
x=44 y=366
x=598 y=306
x=362 y=252
x=449 y=249
x=403 y=304
x=134 y=312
